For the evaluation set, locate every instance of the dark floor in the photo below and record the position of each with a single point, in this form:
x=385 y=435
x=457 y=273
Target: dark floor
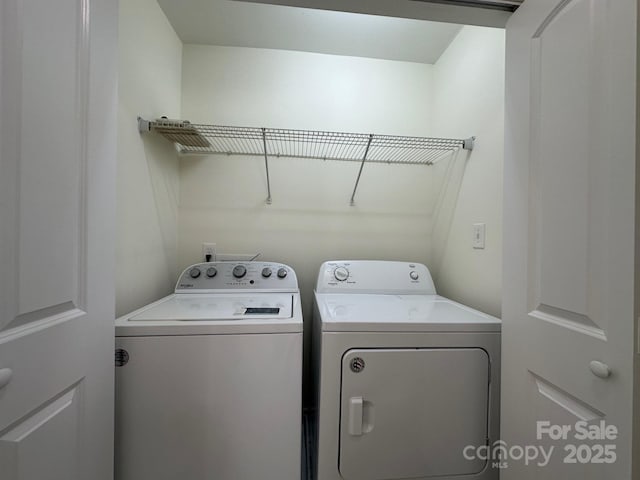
x=308 y=438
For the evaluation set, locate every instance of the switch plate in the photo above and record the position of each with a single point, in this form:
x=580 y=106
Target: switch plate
x=209 y=249
x=478 y=235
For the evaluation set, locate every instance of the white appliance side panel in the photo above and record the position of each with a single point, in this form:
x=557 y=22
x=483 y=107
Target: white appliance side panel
x=201 y=407
x=409 y=413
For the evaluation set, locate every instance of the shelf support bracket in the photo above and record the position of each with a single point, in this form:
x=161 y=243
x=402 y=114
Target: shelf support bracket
x=144 y=126
x=364 y=159
x=469 y=143
x=266 y=164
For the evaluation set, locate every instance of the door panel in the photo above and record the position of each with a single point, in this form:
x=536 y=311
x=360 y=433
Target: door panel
x=560 y=408
x=45 y=443
x=57 y=190
x=569 y=228
x=410 y=413
x=568 y=200
x=48 y=243
x=43 y=375
x=53 y=67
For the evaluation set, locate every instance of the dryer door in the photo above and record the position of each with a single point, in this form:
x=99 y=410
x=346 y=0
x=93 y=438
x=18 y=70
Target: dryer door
x=410 y=413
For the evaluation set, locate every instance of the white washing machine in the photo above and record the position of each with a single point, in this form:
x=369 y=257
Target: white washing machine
x=209 y=379
x=405 y=379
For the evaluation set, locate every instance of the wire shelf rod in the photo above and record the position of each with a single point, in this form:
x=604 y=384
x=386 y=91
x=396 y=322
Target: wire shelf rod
x=266 y=164
x=364 y=159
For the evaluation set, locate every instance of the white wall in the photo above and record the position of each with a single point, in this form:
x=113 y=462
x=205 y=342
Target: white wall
x=150 y=67
x=278 y=88
x=469 y=100
x=223 y=198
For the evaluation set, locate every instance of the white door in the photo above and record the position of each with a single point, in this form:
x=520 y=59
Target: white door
x=57 y=189
x=409 y=413
x=570 y=219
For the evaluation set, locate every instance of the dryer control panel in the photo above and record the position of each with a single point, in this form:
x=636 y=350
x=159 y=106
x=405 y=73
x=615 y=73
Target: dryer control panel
x=237 y=276
x=375 y=276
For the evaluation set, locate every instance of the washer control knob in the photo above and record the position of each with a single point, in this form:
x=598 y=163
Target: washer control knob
x=211 y=272
x=414 y=275
x=341 y=274
x=266 y=272
x=194 y=272
x=282 y=272
x=239 y=271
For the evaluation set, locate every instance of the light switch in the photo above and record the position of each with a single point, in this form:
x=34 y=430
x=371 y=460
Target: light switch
x=478 y=235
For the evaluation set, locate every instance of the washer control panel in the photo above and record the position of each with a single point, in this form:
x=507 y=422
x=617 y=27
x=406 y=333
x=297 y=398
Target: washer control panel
x=374 y=276
x=267 y=276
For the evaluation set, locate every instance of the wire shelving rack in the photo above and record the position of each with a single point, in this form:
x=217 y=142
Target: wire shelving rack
x=201 y=139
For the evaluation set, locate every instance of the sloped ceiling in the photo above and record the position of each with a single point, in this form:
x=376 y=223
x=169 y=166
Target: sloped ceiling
x=241 y=24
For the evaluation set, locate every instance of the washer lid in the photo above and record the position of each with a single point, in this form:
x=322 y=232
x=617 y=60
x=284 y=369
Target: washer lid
x=400 y=313
x=194 y=314
x=193 y=307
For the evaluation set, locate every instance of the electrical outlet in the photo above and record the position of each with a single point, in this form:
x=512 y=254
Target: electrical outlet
x=478 y=235
x=209 y=250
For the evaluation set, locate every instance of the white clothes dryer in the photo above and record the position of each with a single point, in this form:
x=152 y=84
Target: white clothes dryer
x=209 y=379
x=407 y=382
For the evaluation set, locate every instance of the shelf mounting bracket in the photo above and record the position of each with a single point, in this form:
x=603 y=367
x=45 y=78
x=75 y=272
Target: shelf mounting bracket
x=364 y=159
x=469 y=143
x=266 y=164
x=144 y=126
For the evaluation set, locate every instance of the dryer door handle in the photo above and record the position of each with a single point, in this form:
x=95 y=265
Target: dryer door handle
x=355 y=415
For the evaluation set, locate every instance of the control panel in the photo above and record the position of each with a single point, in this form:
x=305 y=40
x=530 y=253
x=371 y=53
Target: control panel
x=374 y=276
x=267 y=276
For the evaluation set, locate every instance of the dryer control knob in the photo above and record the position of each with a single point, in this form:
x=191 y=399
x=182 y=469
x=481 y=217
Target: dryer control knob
x=194 y=272
x=414 y=275
x=341 y=274
x=266 y=272
x=282 y=272
x=239 y=271
x=211 y=272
